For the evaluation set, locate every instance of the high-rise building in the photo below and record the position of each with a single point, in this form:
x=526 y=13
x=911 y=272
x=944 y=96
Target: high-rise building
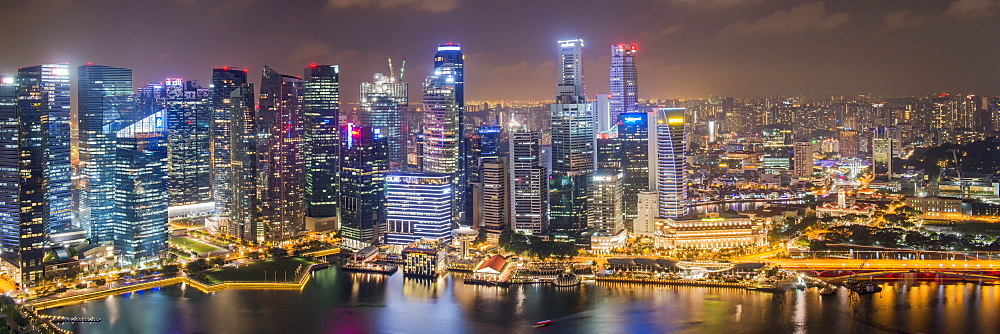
x=281 y=158
x=645 y=222
x=51 y=83
x=528 y=183
x=443 y=148
x=384 y=103
x=573 y=153
x=102 y=91
x=803 y=159
x=882 y=153
x=140 y=210
x=244 y=208
x=495 y=196
x=363 y=167
x=609 y=150
x=602 y=112
x=24 y=208
x=189 y=136
x=418 y=206
x=225 y=81
x=850 y=144
x=322 y=141
x=671 y=179
x=605 y=213
x=777 y=148
x=624 y=81
x=633 y=137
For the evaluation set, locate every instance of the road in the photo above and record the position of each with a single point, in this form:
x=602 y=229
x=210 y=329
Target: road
x=855 y=264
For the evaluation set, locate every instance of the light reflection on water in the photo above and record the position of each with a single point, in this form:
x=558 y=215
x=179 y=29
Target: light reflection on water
x=339 y=302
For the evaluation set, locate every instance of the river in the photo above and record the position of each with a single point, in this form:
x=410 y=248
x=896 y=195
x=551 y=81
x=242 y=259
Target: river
x=342 y=302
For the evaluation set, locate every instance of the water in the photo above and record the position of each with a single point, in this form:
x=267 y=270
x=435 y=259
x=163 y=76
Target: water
x=342 y=302
x=737 y=206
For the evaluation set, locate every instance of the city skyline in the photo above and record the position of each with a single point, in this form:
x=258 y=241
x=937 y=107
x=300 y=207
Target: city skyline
x=686 y=49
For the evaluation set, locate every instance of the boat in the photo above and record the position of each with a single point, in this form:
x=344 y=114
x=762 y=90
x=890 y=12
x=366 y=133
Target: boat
x=862 y=288
x=828 y=290
x=767 y=287
x=544 y=323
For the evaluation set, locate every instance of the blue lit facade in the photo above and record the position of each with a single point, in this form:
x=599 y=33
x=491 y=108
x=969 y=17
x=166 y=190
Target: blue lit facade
x=52 y=82
x=140 y=211
x=418 y=206
x=633 y=139
x=225 y=81
x=362 y=182
x=105 y=96
x=322 y=139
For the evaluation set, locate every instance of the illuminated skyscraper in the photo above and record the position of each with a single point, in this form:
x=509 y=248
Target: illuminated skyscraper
x=624 y=81
x=322 y=141
x=189 y=119
x=443 y=146
x=633 y=136
x=671 y=180
x=777 y=148
x=605 y=213
x=803 y=159
x=140 y=210
x=882 y=152
x=384 y=103
x=24 y=209
x=495 y=198
x=225 y=81
x=51 y=83
x=104 y=96
x=244 y=214
x=418 y=206
x=572 y=146
x=280 y=155
x=528 y=183
x=362 y=181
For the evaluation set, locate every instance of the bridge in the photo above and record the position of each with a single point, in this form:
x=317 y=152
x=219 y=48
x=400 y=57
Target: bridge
x=833 y=268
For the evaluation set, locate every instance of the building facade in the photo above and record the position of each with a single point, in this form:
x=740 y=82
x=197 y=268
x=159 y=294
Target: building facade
x=529 y=186
x=418 y=206
x=322 y=139
x=671 y=180
x=281 y=156
x=573 y=155
x=225 y=81
x=140 y=211
x=710 y=233
x=364 y=164
x=624 y=81
x=50 y=82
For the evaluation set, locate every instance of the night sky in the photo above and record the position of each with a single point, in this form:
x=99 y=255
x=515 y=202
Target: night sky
x=687 y=48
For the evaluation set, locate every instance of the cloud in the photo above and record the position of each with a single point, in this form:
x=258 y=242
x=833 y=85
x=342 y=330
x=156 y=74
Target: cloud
x=433 y=6
x=805 y=17
x=716 y=4
x=972 y=9
x=905 y=19
x=310 y=52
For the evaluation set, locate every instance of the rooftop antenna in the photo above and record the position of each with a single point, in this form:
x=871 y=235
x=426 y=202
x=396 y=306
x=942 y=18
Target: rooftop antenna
x=402 y=70
x=391 y=74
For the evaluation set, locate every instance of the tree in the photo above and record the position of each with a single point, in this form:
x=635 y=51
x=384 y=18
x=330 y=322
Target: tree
x=217 y=261
x=277 y=252
x=198 y=265
x=171 y=269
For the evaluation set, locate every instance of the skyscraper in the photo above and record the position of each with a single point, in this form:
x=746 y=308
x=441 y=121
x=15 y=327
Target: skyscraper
x=140 y=210
x=495 y=196
x=189 y=119
x=24 y=208
x=450 y=59
x=51 y=83
x=244 y=214
x=624 y=81
x=671 y=180
x=882 y=152
x=322 y=141
x=803 y=159
x=572 y=146
x=363 y=167
x=104 y=95
x=605 y=213
x=418 y=206
x=225 y=81
x=528 y=183
x=280 y=155
x=384 y=103
x=644 y=223
x=777 y=148
x=633 y=136
x=442 y=125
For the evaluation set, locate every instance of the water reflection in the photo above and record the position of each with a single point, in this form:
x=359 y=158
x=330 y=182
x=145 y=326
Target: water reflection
x=363 y=303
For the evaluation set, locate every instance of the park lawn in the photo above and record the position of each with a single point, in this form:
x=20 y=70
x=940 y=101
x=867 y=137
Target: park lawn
x=256 y=271
x=194 y=245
